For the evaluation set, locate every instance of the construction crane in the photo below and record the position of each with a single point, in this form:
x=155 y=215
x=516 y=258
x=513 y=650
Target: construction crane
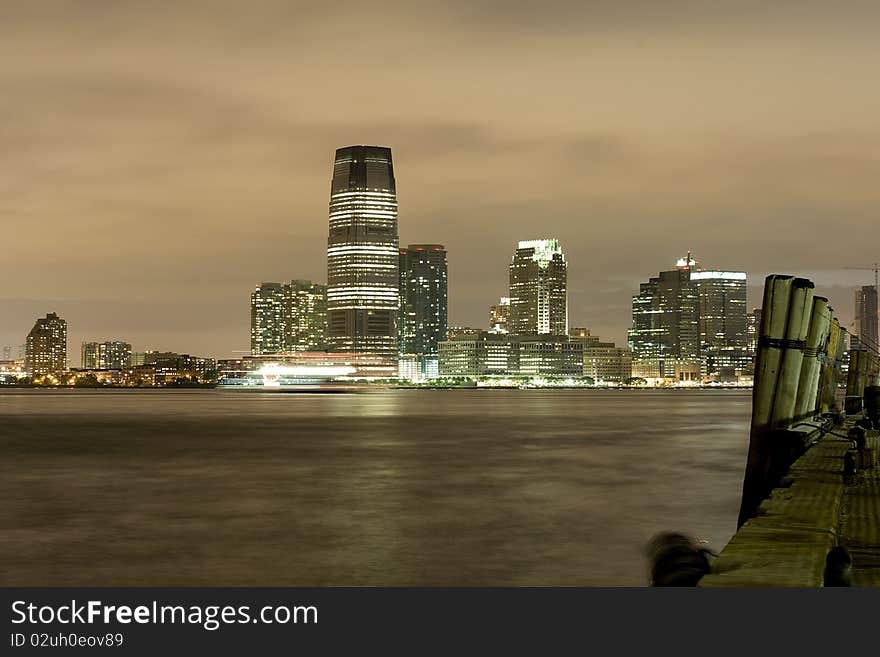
x=875 y=268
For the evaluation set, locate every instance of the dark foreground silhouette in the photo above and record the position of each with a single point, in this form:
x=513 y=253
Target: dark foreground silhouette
x=677 y=560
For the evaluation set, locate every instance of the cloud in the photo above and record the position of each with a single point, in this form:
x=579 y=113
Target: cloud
x=180 y=154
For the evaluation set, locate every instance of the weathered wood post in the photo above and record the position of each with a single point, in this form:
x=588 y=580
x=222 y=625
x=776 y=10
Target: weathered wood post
x=799 y=319
x=828 y=378
x=774 y=322
x=817 y=337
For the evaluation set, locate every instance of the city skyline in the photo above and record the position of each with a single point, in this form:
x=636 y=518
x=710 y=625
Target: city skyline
x=629 y=134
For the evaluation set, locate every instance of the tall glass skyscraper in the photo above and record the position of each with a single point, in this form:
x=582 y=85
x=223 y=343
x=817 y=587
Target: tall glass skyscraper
x=688 y=323
x=866 y=318
x=538 y=289
x=665 y=333
x=363 y=298
x=423 y=305
x=724 y=338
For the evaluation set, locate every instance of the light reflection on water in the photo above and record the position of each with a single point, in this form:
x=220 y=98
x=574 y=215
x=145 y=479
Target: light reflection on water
x=406 y=487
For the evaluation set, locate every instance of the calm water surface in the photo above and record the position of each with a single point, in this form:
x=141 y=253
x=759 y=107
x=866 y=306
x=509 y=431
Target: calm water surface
x=385 y=487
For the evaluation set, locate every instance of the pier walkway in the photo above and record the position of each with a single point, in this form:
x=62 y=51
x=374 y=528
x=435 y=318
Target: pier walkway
x=815 y=508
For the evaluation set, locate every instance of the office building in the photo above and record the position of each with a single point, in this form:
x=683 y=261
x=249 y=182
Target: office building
x=477 y=355
x=550 y=356
x=724 y=340
x=46 y=346
x=866 y=318
x=363 y=296
x=501 y=355
x=603 y=362
x=665 y=333
x=110 y=355
x=538 y=292
x=690 y=325
x=423 y=299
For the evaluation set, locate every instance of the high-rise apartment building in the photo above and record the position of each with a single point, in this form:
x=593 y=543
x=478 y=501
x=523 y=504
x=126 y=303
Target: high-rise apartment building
x=866 y=318
x=363 y=297
x=287 y=317
x=109 y=355
x=423 y=299
x=499 y=316
x=267 y=318
x=538 y=292
x=46 y=346
x=305 y=316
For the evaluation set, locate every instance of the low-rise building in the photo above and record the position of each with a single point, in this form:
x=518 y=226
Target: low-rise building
x=170 y=367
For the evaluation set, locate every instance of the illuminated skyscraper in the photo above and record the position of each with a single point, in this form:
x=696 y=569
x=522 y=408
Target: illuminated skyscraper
x=753 y=330
x=267 y=318
x=288 y=317
x=46 y=346
x=690 y=323
x=724 y=340
x=422 y=299
x=866 y=318
x=665 y=333
x=305 y=316
x=111 y=355
x=363 y=298
x=538 y=294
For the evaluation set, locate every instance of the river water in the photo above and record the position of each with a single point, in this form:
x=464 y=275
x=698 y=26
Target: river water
x=381 y=487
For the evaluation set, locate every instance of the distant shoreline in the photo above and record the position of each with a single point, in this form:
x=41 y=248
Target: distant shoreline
x=354 y=388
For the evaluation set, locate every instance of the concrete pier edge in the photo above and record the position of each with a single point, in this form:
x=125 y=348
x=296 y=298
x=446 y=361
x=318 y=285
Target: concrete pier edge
x=815 y=508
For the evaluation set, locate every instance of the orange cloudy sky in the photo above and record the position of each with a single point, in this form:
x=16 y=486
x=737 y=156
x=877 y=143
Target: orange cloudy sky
x=159 y=159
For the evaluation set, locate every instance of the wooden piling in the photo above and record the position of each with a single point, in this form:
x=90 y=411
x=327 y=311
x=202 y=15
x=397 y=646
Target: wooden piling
x=768 y=360
x=817 y=337
x=798 y=325
x=827 y=380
